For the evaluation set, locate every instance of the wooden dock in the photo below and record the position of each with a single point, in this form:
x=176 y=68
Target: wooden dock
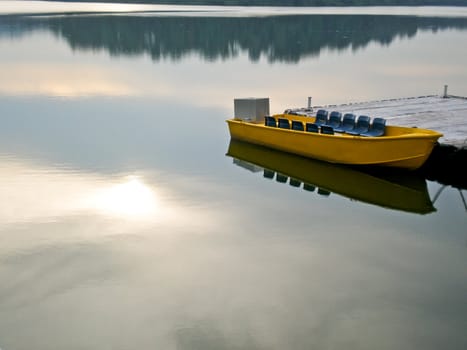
x=447 y=115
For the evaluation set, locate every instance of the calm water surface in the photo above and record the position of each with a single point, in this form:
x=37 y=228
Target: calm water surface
x=129 y=220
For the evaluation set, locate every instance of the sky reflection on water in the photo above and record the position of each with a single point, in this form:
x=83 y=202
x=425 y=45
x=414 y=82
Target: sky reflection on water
x=124 y=224
x=236 y=272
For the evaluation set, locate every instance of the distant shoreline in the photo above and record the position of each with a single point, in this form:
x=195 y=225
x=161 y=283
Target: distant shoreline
x=289 y=3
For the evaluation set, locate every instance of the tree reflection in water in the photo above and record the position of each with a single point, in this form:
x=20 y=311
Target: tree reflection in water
x=277 y=38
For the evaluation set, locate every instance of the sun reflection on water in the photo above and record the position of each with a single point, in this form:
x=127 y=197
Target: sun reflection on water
x=39 y=193
x=130 y=199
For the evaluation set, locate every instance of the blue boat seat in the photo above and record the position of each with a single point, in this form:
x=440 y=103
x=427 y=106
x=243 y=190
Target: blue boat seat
x=348 y=123
x=323 y=192
x=326 y=129
x=363 y=125
x=270 y=121
x=377 y=128
x=294 y=182
x=311 y=127
x=281 y=178
x=283 y=123
x=297 y=125
x=321 y=117
x=334 y=119
x=268 y=174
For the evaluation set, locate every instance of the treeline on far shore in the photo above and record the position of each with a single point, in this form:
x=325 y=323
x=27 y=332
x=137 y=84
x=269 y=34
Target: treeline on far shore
x=294 y=2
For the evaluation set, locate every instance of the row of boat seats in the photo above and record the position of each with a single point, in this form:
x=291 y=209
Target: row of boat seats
x=297 y=125
x=270 y=174
x=349 y=124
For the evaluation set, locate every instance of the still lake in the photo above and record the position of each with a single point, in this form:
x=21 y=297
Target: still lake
x=128 y=220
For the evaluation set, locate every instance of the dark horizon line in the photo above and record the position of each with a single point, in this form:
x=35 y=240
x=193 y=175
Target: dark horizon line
x=283 y=3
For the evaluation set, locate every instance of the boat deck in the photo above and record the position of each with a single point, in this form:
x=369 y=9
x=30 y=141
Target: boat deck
x=445 y=115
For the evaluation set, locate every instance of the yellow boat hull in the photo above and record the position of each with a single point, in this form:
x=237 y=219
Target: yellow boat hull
x=401 y=147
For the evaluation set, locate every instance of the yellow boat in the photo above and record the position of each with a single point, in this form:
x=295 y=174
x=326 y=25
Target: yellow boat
x=400 y=147
x=404 y=191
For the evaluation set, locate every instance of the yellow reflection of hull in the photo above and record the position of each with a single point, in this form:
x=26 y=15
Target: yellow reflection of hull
x=400 y=147
x=403 y=191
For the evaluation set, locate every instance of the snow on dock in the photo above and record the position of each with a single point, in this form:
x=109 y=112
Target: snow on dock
x=447 y=115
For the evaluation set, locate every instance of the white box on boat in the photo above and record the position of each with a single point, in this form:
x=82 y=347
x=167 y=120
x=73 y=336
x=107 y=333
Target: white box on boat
x=253 y=109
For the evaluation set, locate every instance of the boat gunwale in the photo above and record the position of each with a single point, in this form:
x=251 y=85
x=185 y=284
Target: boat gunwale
x=418 y=134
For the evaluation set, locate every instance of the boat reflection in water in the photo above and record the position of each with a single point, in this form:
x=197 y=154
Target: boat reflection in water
x=401 y=191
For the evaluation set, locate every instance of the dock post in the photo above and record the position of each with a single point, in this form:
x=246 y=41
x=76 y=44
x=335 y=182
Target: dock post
x=309 y=101
x=445 y=95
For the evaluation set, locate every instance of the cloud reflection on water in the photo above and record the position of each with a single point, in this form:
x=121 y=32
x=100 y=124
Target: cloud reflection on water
x=55 y=79
x=40 y=194
x=254 y=278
